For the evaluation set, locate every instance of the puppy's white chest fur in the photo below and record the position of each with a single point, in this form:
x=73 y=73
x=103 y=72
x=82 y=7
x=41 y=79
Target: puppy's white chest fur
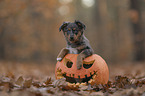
x=73 y=50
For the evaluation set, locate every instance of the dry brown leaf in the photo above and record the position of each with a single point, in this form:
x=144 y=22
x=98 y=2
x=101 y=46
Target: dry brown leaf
x=10 y=75
x=36 y=84
x=49 y=91
x=48 y=81
x=27 y=83
x=20 y=81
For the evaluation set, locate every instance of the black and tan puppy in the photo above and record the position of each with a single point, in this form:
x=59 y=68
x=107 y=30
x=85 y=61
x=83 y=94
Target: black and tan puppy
x=77 y=43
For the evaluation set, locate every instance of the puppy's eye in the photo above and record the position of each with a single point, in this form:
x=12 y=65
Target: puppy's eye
x=76 y=33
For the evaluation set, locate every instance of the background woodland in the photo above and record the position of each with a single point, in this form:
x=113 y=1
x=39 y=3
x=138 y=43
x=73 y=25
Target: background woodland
x=29 y=28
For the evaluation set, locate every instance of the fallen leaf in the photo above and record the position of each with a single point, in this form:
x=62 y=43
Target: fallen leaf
x=27 y=83
x=20 y=81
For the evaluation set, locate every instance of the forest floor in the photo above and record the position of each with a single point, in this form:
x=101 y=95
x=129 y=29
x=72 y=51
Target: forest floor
x=30 y=79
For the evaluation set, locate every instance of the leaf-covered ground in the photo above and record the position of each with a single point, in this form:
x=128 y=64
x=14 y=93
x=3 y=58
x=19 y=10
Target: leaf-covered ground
x=38 y=80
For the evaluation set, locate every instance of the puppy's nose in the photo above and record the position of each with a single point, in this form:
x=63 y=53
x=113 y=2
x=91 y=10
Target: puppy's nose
x=71 y=38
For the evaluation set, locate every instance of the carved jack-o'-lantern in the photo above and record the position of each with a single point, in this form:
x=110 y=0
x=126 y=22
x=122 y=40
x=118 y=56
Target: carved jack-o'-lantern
x=93 y=71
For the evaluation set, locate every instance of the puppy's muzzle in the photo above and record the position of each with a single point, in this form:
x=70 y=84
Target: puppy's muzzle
x=71 y=38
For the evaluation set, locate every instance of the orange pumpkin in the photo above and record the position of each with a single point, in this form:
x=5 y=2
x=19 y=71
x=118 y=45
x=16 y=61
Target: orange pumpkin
x=93 y=71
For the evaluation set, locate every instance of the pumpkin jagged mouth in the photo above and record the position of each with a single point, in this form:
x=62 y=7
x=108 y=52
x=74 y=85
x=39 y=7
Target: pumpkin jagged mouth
x=78 y=81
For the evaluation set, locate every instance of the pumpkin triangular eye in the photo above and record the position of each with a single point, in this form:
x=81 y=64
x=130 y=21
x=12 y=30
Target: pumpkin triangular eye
x=87 y=65
x=68 y=63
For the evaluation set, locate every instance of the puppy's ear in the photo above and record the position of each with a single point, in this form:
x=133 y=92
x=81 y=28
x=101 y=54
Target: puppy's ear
x=63 y=25
x=80 y=24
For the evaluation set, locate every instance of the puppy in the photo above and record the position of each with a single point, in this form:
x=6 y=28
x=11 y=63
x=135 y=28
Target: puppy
x=77 y=43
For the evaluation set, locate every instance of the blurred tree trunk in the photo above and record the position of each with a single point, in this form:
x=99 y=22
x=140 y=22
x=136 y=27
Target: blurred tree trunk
x=113 y=30
x=27 y=30
x=138 y=23
x=1 y=45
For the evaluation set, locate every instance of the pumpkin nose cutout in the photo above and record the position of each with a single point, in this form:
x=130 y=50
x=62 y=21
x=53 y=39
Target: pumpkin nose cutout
x=69 y=64
x=87 y=65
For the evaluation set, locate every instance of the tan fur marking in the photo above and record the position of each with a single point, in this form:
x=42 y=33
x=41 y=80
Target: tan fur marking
x=74 y=28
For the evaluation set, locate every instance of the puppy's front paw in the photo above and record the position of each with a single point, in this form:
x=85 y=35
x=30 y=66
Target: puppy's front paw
x=79 y=64
x=59 y=59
